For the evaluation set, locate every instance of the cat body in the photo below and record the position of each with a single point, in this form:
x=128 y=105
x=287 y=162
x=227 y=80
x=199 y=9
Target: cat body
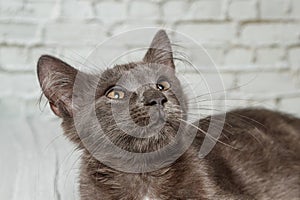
x=265 y=165
x=255 y=157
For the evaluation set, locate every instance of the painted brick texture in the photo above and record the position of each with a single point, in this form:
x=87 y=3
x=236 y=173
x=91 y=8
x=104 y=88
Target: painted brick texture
x=254 y=43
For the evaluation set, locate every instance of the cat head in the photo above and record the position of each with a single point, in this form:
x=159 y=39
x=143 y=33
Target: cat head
x=137 y=105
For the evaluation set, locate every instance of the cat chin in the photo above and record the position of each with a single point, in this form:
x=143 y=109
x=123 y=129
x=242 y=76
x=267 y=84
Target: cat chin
x=156 y=129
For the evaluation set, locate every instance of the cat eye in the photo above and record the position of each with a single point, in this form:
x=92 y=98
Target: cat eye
x=163 y=85
x=115 y=93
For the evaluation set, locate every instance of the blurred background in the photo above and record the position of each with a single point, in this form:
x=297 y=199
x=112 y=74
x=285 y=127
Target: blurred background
x=255 y=45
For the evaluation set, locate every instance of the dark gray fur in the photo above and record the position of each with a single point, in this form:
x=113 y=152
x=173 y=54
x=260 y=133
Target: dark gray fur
x=261 y=160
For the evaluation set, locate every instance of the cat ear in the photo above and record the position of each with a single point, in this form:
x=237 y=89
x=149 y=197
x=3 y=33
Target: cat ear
x=56 y=80
x=160 y=50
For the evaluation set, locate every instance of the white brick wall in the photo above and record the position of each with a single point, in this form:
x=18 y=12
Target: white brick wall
x=206 y=9
x=270 y=33
x=245 y=38
x=242 y=10
x=174 y=10
x=141 y=9
x=239 y=56
x=276 y=9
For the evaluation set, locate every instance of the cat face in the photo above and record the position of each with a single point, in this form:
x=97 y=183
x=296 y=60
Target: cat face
x=138 y=106
x=142 y=106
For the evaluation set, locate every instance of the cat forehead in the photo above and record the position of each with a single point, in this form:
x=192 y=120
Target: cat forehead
x=138 y=70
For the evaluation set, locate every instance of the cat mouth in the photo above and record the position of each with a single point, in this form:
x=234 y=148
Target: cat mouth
x=158 y=116
x=161 y=115
x=154 y=116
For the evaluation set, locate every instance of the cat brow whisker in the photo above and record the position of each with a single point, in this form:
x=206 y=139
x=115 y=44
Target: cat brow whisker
x=91 y=66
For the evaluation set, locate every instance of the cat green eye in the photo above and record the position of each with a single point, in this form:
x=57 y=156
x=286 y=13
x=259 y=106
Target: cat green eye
x=163 y=85
x=115 y=93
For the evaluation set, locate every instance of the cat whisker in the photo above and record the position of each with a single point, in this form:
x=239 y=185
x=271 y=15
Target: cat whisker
x=242 y=116
x=84 y=62
x=208 y=135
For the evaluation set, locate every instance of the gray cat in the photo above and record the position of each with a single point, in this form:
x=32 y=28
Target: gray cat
x=257 y=155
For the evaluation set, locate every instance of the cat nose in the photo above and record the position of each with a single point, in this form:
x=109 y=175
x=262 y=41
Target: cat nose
x=157 y=101
x=154 y=97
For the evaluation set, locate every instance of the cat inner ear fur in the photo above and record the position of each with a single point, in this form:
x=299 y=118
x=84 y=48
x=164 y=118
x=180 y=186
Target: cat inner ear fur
x=57 y=79
x=160 y=50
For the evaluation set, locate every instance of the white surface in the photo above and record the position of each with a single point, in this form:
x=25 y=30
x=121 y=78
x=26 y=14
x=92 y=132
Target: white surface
x=36 y=161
